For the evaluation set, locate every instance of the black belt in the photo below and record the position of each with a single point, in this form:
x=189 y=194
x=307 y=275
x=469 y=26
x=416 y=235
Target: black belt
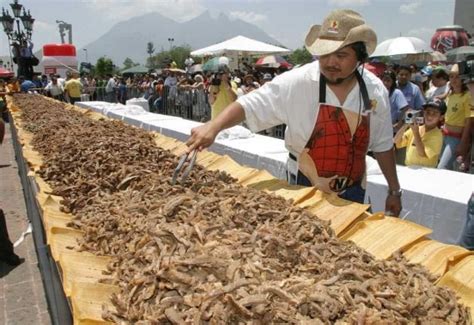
x=292 y=156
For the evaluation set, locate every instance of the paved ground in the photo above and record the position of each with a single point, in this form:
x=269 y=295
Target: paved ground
x=22 y=299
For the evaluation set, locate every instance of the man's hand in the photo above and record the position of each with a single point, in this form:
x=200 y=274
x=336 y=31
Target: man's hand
x=202 y=137
x=393 y=205
x=326 y=184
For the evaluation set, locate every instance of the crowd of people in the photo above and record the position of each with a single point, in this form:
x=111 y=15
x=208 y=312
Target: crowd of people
x=437 y=136
x=430 y=112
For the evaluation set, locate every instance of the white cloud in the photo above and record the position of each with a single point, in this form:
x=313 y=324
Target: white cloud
x=42 y=25
x=248 y=16
x=119 y=10
x=409 y=8
x=423 y=33
x=349 y=3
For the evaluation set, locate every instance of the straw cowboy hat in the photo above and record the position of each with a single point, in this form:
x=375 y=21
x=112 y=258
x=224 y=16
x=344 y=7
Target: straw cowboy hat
x=340 y=28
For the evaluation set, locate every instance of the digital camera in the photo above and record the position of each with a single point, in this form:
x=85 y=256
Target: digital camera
x=215 y=80
x=466 y=70
x=413 y=116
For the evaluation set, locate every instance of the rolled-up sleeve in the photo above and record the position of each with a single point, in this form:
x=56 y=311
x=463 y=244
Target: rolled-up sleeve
x=381 y=132
x=267 y=106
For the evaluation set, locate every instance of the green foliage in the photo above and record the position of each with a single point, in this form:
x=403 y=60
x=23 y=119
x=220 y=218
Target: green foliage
x=104 y=66
x=177 y=54
x=128 y=63
x=150 y=48
x=300 y=56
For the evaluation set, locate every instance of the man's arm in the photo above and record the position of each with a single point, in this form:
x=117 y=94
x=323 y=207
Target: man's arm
x=203 y=136
x=386 y=161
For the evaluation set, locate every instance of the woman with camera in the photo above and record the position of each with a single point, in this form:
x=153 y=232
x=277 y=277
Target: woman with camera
x=222 y=91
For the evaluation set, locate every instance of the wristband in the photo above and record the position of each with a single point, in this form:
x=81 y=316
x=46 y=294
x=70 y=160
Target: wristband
x=397 y=193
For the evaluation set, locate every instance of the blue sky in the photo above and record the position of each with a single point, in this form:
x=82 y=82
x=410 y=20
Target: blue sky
x=287 y=21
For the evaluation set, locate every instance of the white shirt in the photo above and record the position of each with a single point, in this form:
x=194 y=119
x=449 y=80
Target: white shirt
x=436 y=91
x=292 y=98
x=55 y=90
x=110 y=85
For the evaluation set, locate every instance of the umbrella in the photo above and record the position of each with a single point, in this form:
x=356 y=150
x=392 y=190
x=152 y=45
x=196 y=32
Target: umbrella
x=460 y=53
x=423 y=57
x=136 y=70
x=175 y=70
x=213 y=64
x=4 y=73
x=196 y=68
x=273 y=61
x=401 y=46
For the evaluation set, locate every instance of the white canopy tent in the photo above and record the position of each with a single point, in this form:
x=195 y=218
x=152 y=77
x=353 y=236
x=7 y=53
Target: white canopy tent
x=241 y=45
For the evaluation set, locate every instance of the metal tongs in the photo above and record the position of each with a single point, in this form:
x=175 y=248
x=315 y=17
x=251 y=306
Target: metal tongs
x=180 y=166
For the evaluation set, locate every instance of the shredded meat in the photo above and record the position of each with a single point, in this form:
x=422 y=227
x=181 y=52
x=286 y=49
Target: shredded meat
x=211 y=251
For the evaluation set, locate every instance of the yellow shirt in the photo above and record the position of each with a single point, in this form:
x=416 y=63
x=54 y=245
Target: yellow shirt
x=223 y=99
x=459 y=109
x=73 y=88
x=433 y=142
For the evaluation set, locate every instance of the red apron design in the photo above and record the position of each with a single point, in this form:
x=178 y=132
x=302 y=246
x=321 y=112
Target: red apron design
x=332 y=151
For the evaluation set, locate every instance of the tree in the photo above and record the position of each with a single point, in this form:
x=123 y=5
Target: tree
x=128 y=63
x=177 y=54
x=300 y=56
x=150 y=49
x=104 y=66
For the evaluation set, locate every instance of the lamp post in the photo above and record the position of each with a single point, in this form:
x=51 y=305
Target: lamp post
x=20 y=38
x=171 y=40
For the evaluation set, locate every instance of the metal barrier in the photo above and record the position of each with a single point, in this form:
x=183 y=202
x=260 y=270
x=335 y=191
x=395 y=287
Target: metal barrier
x=190 y=104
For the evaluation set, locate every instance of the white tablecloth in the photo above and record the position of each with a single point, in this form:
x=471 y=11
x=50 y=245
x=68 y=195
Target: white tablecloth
x=434 y=198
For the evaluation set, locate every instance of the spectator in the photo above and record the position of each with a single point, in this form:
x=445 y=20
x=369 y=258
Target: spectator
x=416 y=77
x=456 y=129
x=222 y=91
x=14 y=85
x=398 y=103
x=54 y=89
x=26 y=85
x=439 y=84
x=411 y=92
x=423 y=142
x=188 y=63
x=266 y=78
x=110 y=89
x=466 y=239
x=91 y=89
x=122 y=91
x=73 y=89
x=7 y=254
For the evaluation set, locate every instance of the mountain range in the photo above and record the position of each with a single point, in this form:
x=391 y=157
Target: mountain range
x=129 y=38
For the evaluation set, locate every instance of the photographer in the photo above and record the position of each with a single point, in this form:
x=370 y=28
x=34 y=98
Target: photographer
x=222 y=91
x=423 y=142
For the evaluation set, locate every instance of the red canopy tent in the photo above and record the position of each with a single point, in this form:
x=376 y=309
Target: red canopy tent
x=4 y=73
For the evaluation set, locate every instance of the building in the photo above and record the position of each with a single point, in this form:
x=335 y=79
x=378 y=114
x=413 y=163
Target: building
x=464 y=16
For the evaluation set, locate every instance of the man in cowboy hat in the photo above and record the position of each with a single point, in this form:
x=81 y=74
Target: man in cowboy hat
x=334 y=111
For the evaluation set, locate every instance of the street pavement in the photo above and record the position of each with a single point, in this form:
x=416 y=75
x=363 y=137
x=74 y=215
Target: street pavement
x=22 y=298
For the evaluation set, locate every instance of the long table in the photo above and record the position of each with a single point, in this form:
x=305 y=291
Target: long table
x=433 y=198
